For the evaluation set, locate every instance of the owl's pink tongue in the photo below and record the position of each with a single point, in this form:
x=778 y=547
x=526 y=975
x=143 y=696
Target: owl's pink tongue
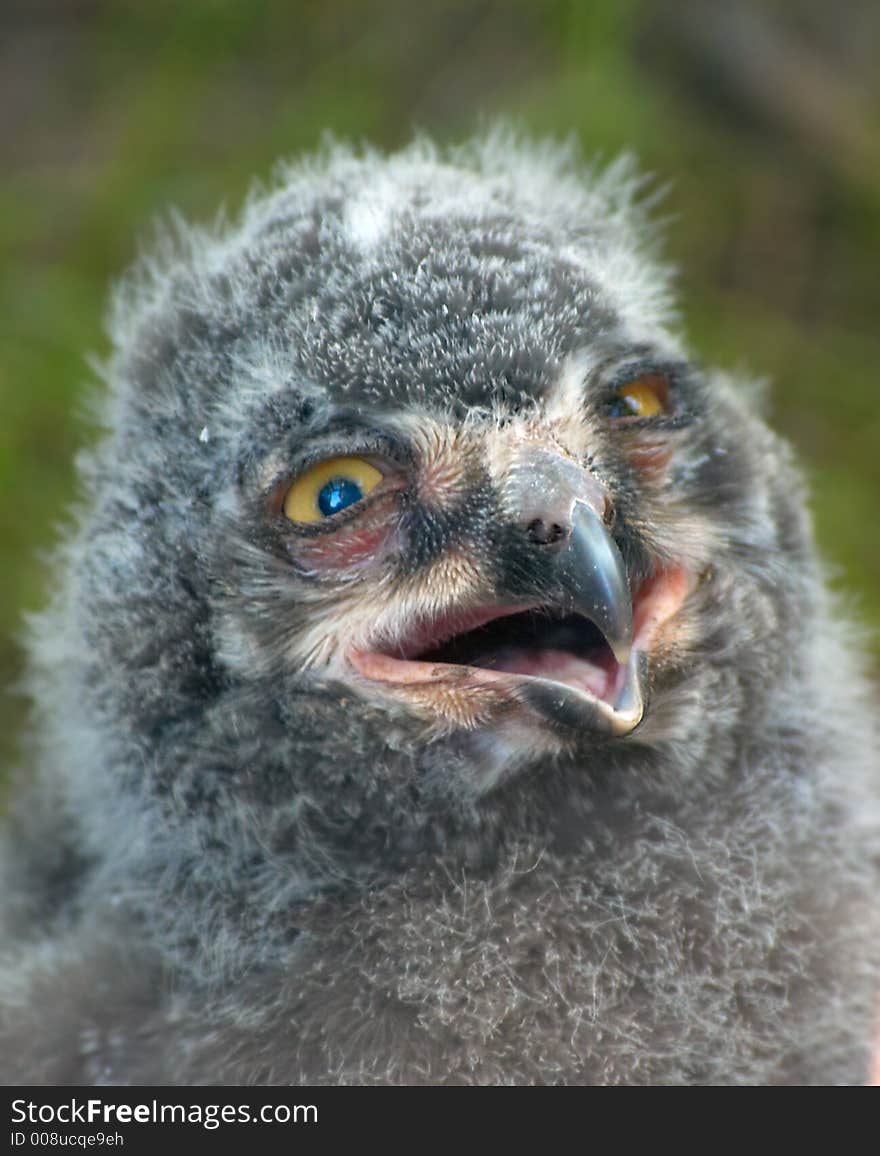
x=599 y=678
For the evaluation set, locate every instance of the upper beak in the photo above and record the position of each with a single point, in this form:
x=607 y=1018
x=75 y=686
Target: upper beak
x=567 y=555
x=592 y=575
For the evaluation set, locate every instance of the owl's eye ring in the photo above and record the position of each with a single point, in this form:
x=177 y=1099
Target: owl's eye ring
x=639 y=398
x=329 y=488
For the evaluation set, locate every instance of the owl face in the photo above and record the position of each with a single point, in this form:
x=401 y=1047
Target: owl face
x=523 y=579
x=468 y=571
x=418 y=443
x=452 y=468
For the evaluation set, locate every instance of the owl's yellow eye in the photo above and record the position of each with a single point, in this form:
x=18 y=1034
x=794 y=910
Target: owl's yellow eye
x=328 y=488
x=643 y=397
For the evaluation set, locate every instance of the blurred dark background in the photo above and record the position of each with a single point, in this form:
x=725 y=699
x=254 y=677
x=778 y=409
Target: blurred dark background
x=761 y=118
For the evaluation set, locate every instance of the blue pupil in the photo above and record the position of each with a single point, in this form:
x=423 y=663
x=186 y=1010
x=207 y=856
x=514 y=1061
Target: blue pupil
x=338 y=494
x=622 y=407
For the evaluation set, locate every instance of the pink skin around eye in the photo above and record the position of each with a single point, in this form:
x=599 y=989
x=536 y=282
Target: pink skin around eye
x=651 y=460
x=356 y=543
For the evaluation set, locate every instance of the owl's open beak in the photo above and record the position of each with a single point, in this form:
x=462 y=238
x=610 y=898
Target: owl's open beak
x=583 y=673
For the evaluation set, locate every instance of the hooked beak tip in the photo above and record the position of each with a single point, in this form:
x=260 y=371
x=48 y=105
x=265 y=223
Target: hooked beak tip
x=594 y=577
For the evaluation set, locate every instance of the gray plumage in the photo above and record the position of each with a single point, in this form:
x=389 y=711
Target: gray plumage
x=277 y=834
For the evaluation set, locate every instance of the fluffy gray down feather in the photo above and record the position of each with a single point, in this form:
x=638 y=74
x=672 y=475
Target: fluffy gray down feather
x=234 y=860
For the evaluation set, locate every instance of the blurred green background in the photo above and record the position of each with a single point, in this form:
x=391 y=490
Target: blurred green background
x=760 y=116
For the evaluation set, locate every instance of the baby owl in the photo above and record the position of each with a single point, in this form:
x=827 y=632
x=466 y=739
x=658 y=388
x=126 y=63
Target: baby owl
x=440 y=685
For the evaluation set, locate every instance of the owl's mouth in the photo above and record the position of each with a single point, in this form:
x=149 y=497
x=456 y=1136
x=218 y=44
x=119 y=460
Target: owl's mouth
x=537 y=643
x=556 y=665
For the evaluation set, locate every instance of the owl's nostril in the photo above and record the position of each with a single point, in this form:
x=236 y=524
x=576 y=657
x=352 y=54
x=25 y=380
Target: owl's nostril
x=544 y=533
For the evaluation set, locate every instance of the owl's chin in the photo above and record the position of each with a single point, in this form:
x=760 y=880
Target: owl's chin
x=536 y=664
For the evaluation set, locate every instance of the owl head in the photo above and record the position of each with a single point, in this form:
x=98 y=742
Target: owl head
x=415 y=532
